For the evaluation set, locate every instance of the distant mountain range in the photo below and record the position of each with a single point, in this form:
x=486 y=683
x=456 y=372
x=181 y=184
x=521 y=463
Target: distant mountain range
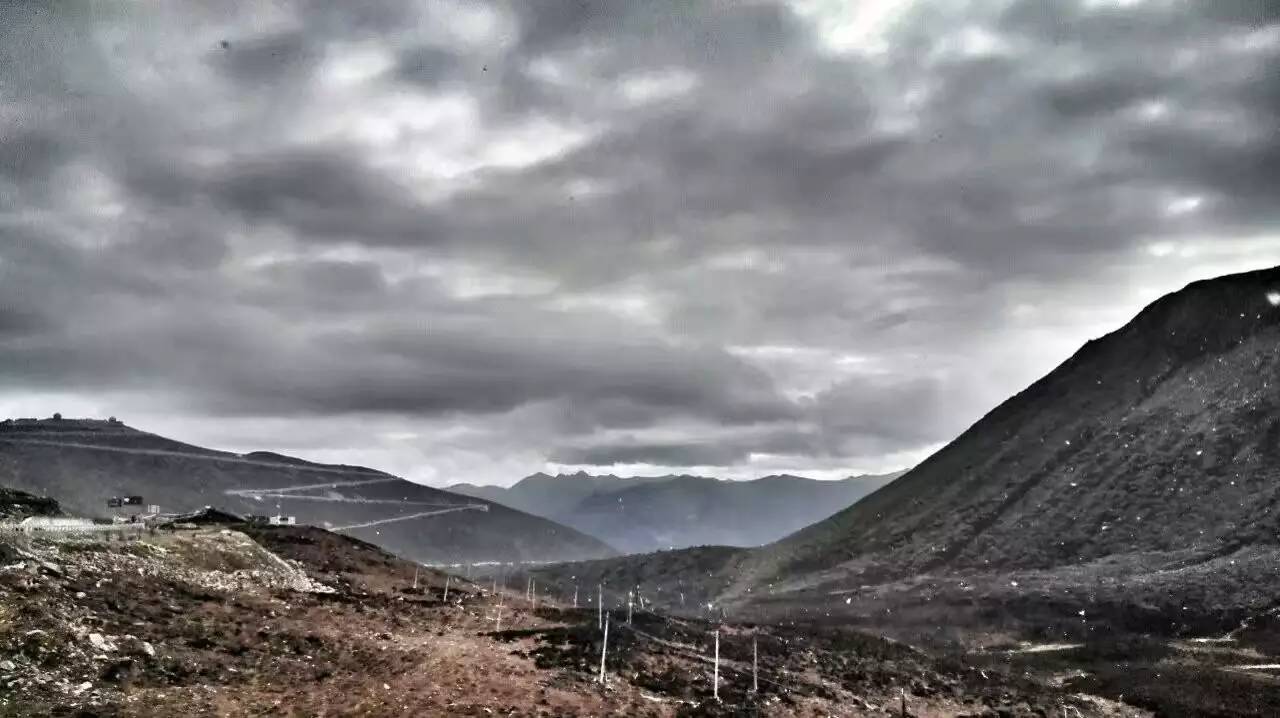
x=546 y=495
x=82 y=463
x=641 y=514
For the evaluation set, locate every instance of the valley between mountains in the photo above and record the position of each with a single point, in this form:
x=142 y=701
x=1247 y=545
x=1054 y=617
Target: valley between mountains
x=1104 y=543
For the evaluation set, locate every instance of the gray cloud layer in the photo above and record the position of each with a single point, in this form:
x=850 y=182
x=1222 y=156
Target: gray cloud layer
x=465 y=239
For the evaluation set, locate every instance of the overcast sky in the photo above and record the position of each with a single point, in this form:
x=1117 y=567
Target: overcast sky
x=465 y=242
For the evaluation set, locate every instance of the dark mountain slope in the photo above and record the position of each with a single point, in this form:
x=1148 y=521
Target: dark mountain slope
x=16 y=505
x=1134 y=488
x=1163 y=435
x=83 y=462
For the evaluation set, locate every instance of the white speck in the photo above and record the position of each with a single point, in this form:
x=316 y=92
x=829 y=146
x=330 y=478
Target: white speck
x=1274 y=298
x=1013 y=583
x=1200 y=452
x=848 y=600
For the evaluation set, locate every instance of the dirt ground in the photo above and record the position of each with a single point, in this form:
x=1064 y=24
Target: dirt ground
x=300 y=622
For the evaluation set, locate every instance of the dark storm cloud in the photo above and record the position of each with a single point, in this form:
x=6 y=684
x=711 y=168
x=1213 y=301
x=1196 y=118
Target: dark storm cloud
x=1090 y=97
x=865 y=416
x=1250 y=13
x=699 y=220
x=268 y=60
x=247 y=364
x=432 y=67
x=319 y=193
x=30 y=154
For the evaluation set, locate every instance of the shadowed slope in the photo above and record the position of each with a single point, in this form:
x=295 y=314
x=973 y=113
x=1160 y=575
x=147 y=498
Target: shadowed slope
x=84 y=462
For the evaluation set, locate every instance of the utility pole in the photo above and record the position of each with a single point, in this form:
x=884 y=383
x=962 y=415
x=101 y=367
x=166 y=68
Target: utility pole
x=575 y=595
x=604 y=648
x=446 y=588
x=755 y=666
x=600 y=605
x=628 y=608
x=715 y=681
x=415 y=577
x=498 y=627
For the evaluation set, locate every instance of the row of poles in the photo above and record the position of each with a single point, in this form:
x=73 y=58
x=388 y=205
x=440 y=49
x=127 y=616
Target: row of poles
x=447 y=579
x=603 y=619
x=715 y=676
x=602 y=624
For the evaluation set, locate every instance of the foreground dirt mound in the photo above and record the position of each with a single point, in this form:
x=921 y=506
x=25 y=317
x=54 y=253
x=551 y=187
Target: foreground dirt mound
x=341 y=561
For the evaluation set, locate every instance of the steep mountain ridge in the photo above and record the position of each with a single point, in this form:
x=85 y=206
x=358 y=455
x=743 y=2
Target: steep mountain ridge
x=1163 y=435
x=1136 y=487
x=84 y=462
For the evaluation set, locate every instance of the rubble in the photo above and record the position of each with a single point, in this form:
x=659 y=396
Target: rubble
x=102 y=644
x=306 y=623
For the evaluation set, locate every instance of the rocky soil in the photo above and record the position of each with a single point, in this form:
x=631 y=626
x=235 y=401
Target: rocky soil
x=1181 y=634
x=16 y=505
x=300 y=622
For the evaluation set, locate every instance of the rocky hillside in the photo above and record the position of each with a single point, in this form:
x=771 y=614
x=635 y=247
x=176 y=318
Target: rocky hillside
x=655 y=513
x=19 y=505
x=301 y=622
x=1135 y=487
x=1163 y=436
x=82 y=463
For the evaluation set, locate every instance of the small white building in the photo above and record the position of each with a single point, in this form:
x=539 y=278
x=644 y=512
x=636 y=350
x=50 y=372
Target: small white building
x=283 y=520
